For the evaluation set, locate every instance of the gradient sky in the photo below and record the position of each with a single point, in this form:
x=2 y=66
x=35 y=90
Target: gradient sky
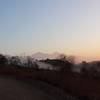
x=68 y=26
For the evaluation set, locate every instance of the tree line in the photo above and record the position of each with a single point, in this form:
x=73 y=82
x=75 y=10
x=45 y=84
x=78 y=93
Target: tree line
x=62 y=63
x=17 y=61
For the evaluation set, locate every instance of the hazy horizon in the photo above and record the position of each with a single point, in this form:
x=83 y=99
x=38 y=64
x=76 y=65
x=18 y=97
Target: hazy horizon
x=66 y=26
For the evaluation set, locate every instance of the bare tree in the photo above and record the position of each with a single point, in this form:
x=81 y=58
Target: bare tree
x=63 y=57
x=29 y=61
x=71 y=59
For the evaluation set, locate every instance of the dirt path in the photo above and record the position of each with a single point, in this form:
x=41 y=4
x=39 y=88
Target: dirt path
x=11 y=89
x=14 y=89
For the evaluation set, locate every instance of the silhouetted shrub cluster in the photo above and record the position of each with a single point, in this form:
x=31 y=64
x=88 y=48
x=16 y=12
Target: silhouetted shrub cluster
x=17 y=62
x=91 y=70
x=61 y=65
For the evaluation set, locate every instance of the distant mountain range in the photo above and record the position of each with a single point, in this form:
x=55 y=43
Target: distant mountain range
x=40 y=55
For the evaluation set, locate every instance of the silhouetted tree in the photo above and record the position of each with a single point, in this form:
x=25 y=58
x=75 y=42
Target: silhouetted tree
x=36 y=66
x=62 y=57
x=3 y=60
x=59 y=64
x=29 y=61
x=15 y=61
x=84 y=70
x=70 y=59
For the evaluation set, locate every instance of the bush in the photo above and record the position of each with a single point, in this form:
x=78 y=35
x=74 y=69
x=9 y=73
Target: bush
x=3 y=60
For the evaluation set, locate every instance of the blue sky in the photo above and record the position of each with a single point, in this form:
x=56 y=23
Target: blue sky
x=68 y=26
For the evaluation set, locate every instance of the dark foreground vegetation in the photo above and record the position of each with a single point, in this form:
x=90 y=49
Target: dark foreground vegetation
x=84 y=85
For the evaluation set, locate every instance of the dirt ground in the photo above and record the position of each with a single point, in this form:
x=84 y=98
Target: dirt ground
x=14 y=89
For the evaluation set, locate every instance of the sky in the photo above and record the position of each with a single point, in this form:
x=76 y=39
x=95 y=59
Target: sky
x=67 y=26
